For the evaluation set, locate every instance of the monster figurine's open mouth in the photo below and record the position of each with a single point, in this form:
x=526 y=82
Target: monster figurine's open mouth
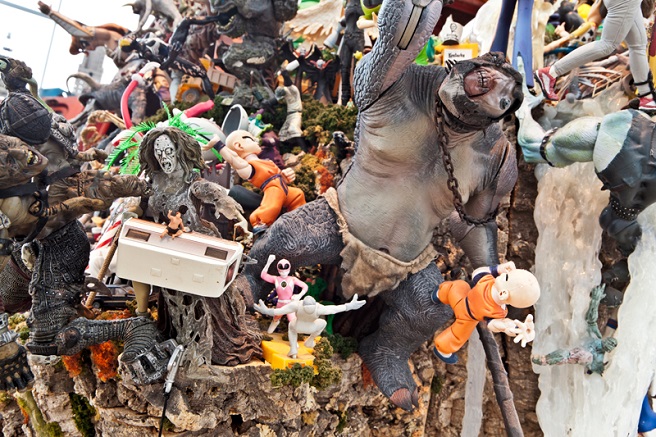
x=478 y=82
x=33 y=158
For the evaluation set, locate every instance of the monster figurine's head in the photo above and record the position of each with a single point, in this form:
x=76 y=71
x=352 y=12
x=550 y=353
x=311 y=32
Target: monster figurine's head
x=19 y=162
x=168 y=149
x=479 y=92
x=15 y=74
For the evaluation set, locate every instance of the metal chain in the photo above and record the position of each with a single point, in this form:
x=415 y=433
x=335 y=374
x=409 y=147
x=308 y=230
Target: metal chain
x=452 y=182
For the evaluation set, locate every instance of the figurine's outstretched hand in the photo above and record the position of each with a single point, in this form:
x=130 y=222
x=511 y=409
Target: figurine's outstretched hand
x=525 y=331
x=261 y=307
x=355 y=304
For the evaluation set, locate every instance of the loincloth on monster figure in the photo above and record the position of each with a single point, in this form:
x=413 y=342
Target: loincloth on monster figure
x=370 y=271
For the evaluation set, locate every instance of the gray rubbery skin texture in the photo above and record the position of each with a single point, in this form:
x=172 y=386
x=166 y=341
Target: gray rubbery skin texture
x=409 y=319
x=307 y=236
x=386 y=216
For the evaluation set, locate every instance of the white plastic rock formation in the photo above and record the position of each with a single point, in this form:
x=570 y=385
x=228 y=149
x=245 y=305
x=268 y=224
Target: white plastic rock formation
x=567 y=266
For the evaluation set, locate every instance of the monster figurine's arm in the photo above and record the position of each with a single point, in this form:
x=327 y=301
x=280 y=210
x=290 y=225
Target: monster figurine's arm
x=214 y=194
x=480 y=241
x=404 y=26
x=574 y=142
x=144 y=14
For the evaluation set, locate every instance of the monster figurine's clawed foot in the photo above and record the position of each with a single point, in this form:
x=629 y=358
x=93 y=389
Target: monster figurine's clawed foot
x=391 y=374
x=15 y=373
x=144 y=360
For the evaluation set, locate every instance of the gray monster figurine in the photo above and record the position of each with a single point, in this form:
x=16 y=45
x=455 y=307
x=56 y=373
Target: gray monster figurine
x=429 y=146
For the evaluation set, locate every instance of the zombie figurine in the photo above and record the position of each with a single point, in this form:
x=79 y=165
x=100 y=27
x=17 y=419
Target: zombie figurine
x=495 y=287
x=241 y=152
x=284 y=288
x=307 y=318
x=589 y=354
x=217 y=333
x=420 y=129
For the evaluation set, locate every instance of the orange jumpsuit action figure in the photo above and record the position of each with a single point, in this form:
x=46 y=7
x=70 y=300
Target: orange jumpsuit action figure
x=494 y=288
x=241 y=152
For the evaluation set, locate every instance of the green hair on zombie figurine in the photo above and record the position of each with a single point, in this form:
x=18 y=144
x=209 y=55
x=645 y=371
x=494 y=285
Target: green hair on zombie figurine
x=126 y=154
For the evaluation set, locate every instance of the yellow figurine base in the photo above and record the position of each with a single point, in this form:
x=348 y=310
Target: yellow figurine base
x=275 y=353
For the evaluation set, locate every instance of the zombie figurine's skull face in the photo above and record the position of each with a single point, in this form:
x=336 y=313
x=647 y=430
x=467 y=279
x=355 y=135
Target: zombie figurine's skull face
x=165 y=154
x=481 y=91
x=18 y=161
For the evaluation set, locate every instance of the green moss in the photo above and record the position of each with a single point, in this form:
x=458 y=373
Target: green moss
x=436 y=384
x=83 y=414
x=31 y=409
x=323 y=350
x=5 y=398
x=24 y=333
x=343 y=421
x=344 y=346
x=327 y=374
x=53 y=429
x=319 y=121
x=293 y=376
x=167 y=425
x=15 y=320
x=306 y=176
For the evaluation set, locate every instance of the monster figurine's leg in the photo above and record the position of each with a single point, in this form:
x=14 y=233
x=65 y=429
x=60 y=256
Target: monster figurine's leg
x=409 y=319
x=500 y=42
x=523 y=46
x=14 y=284
x=307 y=236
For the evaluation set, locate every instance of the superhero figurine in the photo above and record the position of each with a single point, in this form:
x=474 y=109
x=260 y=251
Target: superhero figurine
x=284 y=288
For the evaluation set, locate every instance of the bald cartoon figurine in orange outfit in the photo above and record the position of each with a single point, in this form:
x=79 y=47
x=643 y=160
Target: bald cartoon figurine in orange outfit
x=495 y=287
x=241 y=152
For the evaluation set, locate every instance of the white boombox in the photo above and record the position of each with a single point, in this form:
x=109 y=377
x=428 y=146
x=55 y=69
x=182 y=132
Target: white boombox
x=193 y=263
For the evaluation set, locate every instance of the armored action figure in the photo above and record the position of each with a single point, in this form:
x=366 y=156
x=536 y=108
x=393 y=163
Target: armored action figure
x=494 y=288
x=379 y=223
x=308 y=318
x=623 y=150
x=284 y=288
